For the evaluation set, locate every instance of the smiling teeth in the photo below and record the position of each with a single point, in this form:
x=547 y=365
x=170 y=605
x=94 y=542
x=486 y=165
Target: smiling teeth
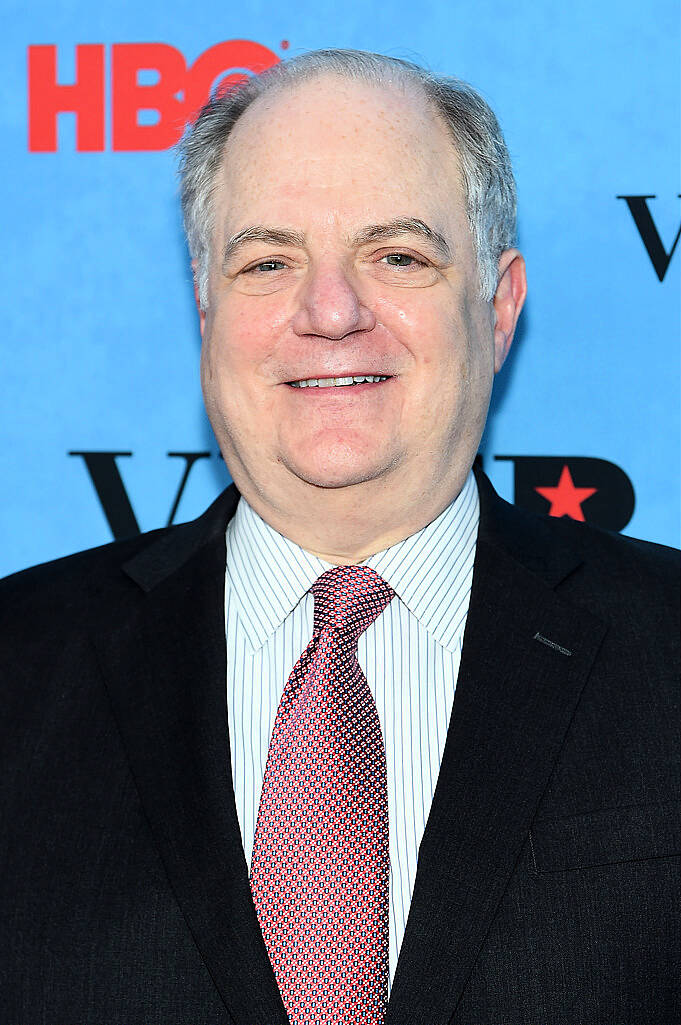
x=331 y=382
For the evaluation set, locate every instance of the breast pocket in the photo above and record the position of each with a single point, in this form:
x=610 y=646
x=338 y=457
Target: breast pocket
x=605 y=837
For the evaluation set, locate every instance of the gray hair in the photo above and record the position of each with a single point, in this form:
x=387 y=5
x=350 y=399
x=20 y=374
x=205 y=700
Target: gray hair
x=488 y=181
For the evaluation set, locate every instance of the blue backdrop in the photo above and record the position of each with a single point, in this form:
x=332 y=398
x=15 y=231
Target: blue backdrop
x=99 y=333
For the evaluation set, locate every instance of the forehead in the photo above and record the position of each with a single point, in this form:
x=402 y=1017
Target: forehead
x=340 y=148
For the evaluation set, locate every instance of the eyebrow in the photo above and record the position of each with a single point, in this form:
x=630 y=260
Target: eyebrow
x=261 y=233
x=403 y=226
x=372 y=233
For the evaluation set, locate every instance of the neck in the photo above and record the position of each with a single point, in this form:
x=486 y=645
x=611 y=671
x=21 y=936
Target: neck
x=345 y=526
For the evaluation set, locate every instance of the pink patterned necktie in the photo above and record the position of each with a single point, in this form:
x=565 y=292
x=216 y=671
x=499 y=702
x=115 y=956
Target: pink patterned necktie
x=320 y=866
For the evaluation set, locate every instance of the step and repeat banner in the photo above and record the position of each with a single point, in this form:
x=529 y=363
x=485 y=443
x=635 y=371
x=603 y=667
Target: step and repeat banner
x=103 y=429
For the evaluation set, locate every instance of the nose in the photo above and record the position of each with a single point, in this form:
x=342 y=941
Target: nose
x=329 y=305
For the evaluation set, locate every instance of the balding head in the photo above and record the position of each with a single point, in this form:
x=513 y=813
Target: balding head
x=485 y=168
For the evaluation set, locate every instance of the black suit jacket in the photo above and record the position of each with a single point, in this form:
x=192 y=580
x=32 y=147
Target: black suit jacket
x=546 y=883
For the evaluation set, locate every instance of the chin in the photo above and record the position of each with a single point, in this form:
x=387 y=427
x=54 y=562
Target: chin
x=336 y=470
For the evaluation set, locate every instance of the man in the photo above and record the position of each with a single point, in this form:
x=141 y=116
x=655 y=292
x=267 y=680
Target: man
x=362 y=728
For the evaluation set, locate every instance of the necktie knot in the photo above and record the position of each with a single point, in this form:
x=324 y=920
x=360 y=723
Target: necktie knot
x=349 y=599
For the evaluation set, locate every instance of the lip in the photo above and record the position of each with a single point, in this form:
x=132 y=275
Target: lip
x=340 y=391
x=325 y=375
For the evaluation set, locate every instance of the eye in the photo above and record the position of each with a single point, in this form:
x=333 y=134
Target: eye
x=265 y=267
x=401 y=260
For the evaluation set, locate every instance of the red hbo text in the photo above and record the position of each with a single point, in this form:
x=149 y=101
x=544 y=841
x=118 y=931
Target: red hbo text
x=173 y=98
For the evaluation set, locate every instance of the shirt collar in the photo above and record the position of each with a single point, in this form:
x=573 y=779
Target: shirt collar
x=430 y=571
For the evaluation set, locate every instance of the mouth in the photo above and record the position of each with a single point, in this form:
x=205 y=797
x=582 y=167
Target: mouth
x=340 y=382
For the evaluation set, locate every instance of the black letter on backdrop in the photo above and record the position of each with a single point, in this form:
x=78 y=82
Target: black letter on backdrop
x=190 y=458
x=650 y=236
x=111 y=492
x=113 y=497
x=611 y=504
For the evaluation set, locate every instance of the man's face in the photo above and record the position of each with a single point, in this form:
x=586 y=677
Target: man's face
x=342 y=249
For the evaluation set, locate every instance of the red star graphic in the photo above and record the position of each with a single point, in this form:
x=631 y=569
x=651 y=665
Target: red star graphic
x=565 y=498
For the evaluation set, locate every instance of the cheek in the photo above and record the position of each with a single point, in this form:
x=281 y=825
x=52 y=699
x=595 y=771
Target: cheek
x=434 y=335
x=402 y=310
x=237 y=339
x=237 y=354
x=451 y=348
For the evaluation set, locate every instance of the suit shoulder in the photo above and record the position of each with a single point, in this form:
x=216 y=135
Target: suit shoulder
x=616 y=576
x=621 y=579
x=642 y=562
x=72 y=582
x=552 y=546
x=81 y=589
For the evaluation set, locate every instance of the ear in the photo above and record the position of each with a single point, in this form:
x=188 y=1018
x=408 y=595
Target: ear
x=508 y=302
x=201 y=311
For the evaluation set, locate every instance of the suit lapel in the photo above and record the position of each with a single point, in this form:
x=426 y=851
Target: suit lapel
x=514 y=700
x=164 y=663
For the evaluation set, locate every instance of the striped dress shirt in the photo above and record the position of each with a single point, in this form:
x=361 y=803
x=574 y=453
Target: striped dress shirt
x=410 y=656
